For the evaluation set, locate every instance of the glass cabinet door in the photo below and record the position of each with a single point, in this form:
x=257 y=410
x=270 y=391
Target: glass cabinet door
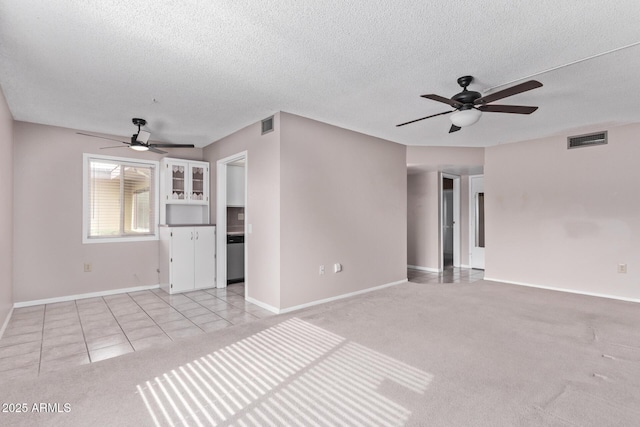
x=178 y=184
x=197 y=183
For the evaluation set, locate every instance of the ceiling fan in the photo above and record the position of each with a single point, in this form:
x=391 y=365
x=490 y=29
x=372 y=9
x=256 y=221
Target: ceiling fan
x=469 y=105
x=140 y=140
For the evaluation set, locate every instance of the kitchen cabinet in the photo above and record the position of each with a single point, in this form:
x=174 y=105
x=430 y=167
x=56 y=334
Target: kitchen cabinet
x=184 y=192
x=187 y=258
x=185 y=182
x=235 y=185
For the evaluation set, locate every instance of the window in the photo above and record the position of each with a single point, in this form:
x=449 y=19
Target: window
x=119 y=199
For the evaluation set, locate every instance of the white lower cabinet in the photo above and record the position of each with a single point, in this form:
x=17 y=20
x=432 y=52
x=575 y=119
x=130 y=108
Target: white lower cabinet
x=187 y=258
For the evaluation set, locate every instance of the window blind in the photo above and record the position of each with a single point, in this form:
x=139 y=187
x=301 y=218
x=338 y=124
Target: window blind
x=121 y=198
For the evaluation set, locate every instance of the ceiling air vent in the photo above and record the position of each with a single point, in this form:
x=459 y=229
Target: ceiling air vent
x=267 y=125
x=599 y=138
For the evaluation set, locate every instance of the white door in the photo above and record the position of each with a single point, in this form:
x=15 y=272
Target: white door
x=476 y=223
x=182 y=259
x=205 y=257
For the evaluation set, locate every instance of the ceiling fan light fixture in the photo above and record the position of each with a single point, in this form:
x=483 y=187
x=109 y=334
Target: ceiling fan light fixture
x=466 y=117
x=139 y=147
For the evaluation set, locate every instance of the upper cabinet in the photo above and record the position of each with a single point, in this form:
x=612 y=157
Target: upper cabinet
x=186 y=182
x=184 y=192
x=235 y=185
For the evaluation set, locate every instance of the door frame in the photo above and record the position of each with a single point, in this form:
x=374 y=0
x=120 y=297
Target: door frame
x=473 y=261
x=221 y=219
x=456 y=218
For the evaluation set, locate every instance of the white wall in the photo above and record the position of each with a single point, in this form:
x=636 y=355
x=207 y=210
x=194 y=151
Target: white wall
x=48 y=252
x=6 y=209
x=565 y=218
x=343 y=199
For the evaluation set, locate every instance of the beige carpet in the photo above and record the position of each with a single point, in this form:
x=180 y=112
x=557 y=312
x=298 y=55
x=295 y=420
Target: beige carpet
x=481 y=354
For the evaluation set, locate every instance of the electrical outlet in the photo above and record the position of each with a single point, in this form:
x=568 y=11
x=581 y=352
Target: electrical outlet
x=337 y=267
x=87 y=267
x=322 y=270
x=622 y=268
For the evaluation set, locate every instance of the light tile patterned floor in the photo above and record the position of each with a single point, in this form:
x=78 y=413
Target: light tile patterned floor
x=49 y=337
x=449 y=275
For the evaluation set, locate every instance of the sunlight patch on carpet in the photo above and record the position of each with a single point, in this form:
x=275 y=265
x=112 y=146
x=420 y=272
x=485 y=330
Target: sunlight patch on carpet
x=292 y=373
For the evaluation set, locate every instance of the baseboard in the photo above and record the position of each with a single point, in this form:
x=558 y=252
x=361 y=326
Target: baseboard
x=6 y=322
x=429 y=269
x=465 y=266
x=83 y=296
x=263 y=305
x=570 y=291
x=338 y=297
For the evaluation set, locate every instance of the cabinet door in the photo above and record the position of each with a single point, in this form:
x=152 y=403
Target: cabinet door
x=205 y=257
x=199 y=183
x=182 y=252
x=178 y=182
x=235 y=186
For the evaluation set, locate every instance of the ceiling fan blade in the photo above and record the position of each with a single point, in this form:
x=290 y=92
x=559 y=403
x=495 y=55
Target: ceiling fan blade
x=113 y=146
x=428 y=117
x=514 y=109
x=514 y=90
x=173 y=145
x=454 y=128
x=143 y=136
x=155 y=150
x=453 y=103
x=101 y=137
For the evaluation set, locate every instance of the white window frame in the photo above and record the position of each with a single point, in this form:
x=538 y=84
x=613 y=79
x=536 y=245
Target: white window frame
x=85 y=199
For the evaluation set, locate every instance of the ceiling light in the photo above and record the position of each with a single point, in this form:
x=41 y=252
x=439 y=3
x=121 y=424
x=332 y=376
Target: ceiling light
x=466 y=117
x=139 y=147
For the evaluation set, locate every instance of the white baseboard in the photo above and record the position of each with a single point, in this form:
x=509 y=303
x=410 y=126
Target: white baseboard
x=83 y=296
x=465 y=266
x=570 y=291
x=429 y=269
x=6 y=322
x=338 y=297
x=263 y=305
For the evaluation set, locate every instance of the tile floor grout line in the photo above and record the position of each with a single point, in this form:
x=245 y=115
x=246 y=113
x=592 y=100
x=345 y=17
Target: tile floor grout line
x=44 y=312
x=149 y=316
x=192 y=300
x=84 y=337
x=165 y=302
x=119 y=325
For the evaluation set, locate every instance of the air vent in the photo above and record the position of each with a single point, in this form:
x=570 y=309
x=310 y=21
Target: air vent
x=599 y=138
x=267 y=125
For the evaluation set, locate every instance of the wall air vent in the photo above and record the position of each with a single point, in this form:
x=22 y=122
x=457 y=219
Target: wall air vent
x=267 y=125
x=598 y=138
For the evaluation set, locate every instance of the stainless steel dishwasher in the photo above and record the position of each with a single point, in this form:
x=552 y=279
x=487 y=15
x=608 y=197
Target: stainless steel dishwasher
x=235 y=258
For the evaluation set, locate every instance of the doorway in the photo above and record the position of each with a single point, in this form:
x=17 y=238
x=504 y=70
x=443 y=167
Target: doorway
x=231 y=191
x=476 y=222
x=449 y=221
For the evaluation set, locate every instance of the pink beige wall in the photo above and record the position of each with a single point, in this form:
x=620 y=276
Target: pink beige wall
x=423 y=197
x=48 y=252
x=565 y=218
x=263 y=204
x=423 y=229
x=6 y=209
x=343 y=200
x=318 y=194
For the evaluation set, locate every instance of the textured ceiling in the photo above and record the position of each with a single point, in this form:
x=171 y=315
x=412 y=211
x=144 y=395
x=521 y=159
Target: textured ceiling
x=198 y=70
